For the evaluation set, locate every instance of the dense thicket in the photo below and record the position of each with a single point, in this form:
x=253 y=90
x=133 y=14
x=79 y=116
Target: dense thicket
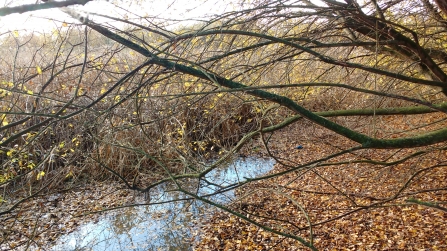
x=146 y=101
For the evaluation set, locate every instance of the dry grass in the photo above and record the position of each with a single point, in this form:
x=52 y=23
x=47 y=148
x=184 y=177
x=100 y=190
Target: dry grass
x=61 y=127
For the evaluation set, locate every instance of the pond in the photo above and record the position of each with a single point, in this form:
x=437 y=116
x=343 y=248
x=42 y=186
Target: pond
x=167 y=226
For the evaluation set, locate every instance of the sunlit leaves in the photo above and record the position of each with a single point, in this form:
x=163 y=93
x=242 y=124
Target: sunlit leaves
x=99 y=65
x=69 y=175
x=31 y=165
x=39 y=70
x=40 y=175
x=162 y=118
x=81 y=91
x=4 y=120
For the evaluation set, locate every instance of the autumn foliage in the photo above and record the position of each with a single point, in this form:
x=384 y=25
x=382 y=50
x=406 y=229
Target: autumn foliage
x=139 y=102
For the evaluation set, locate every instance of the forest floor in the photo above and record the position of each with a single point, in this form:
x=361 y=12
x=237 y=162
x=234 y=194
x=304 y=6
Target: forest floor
x=351 y=206
x=36 y=224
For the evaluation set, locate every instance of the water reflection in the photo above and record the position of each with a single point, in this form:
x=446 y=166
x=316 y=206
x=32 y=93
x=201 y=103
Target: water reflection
x=164 y=226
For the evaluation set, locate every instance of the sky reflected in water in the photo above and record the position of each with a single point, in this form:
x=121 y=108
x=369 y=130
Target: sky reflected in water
x=165 y=226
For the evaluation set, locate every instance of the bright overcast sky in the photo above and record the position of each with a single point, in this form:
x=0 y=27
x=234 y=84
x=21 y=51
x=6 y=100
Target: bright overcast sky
x=171 y=9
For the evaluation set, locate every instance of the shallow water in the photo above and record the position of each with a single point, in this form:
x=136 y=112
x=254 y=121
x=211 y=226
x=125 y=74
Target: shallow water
x=167 y=226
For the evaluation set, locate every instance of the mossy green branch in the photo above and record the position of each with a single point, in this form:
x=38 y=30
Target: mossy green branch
x=427 y=204
x=406 y=110
x=364 y=140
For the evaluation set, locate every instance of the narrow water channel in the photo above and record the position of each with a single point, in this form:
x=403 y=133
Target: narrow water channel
x=167 y=226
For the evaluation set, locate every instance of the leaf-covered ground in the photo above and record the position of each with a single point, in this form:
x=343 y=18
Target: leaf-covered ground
x=350 y=205
x=36 y=224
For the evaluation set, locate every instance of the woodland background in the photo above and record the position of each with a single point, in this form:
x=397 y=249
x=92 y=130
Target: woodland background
x=122 y=103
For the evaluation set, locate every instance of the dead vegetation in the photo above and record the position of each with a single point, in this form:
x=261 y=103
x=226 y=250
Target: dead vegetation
x=349 y=204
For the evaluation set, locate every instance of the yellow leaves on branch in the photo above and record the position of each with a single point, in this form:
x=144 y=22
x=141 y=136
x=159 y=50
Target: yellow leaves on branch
x=69 y=175
x=40 y=175
x=10 y=153
x=39 y=70
x=4 y=120
x=31 y=165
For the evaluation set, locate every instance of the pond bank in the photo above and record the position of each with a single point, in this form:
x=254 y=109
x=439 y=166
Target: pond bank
x=168 y=225
x=347 y=203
